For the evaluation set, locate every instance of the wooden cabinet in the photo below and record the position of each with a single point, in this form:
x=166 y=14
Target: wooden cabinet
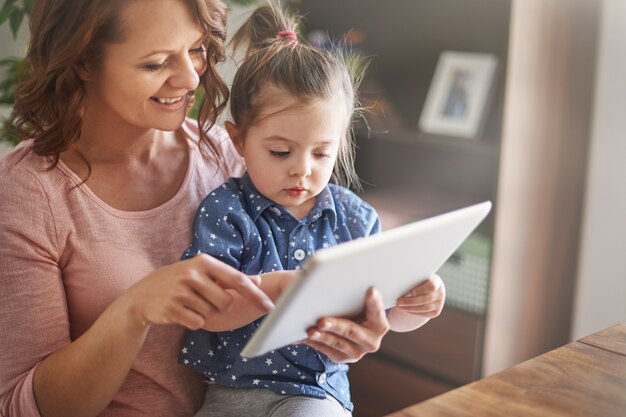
x=371 y=380
x=414 y=366
x=447 y=348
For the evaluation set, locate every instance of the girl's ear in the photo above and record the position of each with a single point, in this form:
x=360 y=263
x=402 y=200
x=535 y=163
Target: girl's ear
x=233 y=132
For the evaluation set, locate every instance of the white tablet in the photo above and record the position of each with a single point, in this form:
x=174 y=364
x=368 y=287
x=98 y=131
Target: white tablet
x=334 y=281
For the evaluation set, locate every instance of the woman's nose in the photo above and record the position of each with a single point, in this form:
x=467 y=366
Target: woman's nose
x=187 y=74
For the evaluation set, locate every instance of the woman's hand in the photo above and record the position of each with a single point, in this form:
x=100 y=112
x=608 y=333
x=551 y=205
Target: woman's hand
x=188 y=292
x=344 y=340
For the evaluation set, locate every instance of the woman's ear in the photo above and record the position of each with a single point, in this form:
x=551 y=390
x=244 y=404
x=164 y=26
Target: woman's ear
x=83 y=71
x=233 y=132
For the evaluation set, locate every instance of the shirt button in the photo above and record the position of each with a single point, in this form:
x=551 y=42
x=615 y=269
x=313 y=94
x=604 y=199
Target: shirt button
x=322 y=378
x=299 y=254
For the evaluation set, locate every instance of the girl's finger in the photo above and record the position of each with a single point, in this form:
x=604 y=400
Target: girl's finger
x=333 y=354
x=428 y=310
x=336 y=347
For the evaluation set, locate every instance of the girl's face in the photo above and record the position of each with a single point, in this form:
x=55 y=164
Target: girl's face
x=290 y=155
x=148 y=79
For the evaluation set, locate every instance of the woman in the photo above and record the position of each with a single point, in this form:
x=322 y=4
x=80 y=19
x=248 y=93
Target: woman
x=96 y=208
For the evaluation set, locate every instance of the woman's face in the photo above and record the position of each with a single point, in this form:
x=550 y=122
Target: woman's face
x=147 y=80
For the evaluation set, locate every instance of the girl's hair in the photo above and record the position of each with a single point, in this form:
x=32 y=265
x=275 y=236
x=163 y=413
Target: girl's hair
x=49 y=101
x=276 y=60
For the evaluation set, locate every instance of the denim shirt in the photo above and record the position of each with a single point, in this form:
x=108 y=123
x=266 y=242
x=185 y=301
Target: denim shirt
x=239 y=226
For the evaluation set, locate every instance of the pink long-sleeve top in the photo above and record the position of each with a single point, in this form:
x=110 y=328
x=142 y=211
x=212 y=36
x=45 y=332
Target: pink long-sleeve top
x=65 y=255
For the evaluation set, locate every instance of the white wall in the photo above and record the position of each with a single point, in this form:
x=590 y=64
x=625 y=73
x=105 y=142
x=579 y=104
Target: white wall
x=601 y=292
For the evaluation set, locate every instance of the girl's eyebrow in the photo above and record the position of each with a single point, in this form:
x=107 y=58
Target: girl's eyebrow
x=277 y=138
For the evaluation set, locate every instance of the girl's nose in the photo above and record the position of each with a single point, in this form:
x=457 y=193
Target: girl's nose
x=301 y=167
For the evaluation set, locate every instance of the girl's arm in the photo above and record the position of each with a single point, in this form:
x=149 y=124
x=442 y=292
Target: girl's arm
x=242 y=312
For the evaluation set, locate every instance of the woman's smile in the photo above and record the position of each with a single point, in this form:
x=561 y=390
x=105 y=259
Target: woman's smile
x=163 y=100
x=172 y=103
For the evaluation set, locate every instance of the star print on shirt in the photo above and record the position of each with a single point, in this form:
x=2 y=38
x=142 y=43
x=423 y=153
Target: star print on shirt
x=249 y=232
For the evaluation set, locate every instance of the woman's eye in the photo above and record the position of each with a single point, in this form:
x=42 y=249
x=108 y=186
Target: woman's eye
x=279 y=154
x=155 y=67
x=196 y=51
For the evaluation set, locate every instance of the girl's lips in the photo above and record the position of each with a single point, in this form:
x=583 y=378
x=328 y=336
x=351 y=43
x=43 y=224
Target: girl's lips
x=295 y=192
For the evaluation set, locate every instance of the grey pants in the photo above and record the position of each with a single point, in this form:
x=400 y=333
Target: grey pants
x=222 y=401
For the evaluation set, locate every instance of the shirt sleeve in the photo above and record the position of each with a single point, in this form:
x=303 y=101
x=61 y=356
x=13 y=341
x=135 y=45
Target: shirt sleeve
x=33 y=312
x=221 y=227
x=368 y=221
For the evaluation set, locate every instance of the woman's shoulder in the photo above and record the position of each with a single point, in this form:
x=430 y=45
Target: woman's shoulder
x=27 y=180
x=22 y=164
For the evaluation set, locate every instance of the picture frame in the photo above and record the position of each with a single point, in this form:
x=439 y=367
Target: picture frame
x=459 y=94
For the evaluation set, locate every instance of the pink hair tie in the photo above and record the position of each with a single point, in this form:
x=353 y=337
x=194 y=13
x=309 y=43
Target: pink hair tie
x=288 y=34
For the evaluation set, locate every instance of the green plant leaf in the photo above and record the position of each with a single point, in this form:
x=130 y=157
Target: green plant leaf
x=28 y=6
x=16 y=21
x=8 y=132
x=8 y=8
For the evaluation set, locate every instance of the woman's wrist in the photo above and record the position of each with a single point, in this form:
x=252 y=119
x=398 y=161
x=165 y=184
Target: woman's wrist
x=132 y=314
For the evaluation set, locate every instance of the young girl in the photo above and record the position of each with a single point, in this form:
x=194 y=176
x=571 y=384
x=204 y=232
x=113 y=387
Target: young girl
x=291 y=107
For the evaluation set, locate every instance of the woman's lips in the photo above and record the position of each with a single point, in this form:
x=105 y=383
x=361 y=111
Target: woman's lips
x=171 y=103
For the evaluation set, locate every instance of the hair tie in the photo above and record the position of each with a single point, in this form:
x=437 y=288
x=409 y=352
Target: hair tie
x=288 y=34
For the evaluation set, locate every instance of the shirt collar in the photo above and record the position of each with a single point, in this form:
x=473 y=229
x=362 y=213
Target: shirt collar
x=258 y=203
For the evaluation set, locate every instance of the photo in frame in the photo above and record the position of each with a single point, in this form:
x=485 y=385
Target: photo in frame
x=459 y=94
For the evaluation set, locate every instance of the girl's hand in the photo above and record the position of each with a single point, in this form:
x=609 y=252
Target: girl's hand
x=345 y=341
x=425 y=300
x=188 y=292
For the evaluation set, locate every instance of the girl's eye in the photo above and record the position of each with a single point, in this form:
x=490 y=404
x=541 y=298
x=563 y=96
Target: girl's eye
x=279 y=154
x=321 y=153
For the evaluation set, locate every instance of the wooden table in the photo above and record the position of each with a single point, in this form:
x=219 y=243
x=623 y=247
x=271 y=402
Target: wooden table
x=584 y=378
